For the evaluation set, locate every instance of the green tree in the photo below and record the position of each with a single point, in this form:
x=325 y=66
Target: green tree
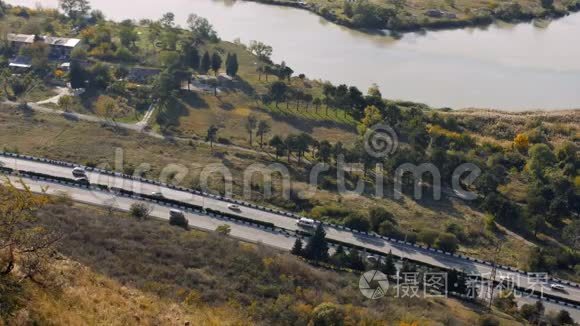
x=355 y=260
x=278 y=144
x=297 y=248
x=541 y=157
x=325 y=151
x=77 y=75
x=201 y=29
x=278 y=91
x=167 y=20
x=263 y=129
x=377 y=215
x=388 y=267
x=191 y=58
x=127 y=34
x=232 y=65
x=205 y=63
x=317 y=246
x=216 y=63
x=301 y=144
x=212 y=134
x=251 y=125
x=261 y=50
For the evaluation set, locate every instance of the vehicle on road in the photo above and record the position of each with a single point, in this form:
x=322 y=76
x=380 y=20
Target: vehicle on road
x=79 y=172
x=176 y=213
x=177 y=218
x=557 y=287
x=157 y=194
x=82 y=180
x=306 y=223
x=235 y=208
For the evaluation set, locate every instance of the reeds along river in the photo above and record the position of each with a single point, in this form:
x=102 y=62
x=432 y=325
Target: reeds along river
x=512 y=67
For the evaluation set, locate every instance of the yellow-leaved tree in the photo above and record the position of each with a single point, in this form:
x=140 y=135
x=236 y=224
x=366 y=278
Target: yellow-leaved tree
x=24 y=245
x=371 y=118
x=522 y=142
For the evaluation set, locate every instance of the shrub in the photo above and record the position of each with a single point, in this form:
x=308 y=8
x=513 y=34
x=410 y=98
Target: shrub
x=140 y=211
x=327 y=314
x=447 y=242
x=357 y=222
x=428 y=237
x=224 y=229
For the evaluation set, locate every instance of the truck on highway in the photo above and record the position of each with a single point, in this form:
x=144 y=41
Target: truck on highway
x=177 y=218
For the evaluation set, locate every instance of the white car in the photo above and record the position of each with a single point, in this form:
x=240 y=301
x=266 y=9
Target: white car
x=157 y=194
x=79 y=172
x=306 y=223
x=557 y=287
x=234 y=208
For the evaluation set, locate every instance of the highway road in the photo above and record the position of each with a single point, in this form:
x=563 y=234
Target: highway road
x=281 y=221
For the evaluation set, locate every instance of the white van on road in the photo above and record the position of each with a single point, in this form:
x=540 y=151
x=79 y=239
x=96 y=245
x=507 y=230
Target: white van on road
x=306 y=223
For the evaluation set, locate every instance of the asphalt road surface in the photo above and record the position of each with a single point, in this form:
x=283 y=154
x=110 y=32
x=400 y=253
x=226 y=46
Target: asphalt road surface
x=270 y=238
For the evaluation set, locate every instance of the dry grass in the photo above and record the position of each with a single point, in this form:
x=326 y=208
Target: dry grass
x=230 y=111
x=281 y=289
x=88 y=298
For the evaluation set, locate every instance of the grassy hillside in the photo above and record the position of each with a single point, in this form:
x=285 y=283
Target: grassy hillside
x=120 y=271
x=58 y=138
x=404 y=15
x=528 y=191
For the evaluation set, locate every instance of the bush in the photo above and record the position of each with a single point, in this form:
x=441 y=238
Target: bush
x=140 y=211
x=224 y=229
x=389 y=229
x=447 y=242
x=428 y=237
x=357 y=222
x=327 y=314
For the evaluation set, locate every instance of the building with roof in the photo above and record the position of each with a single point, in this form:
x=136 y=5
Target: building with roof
x=60 y=47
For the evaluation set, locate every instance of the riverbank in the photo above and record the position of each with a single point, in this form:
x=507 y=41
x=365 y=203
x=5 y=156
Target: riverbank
x=411 y=19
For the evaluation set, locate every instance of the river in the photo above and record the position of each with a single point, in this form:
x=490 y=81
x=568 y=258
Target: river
x=510 y=67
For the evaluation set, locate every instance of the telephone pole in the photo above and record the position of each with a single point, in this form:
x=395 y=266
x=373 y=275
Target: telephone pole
x=494 y=271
